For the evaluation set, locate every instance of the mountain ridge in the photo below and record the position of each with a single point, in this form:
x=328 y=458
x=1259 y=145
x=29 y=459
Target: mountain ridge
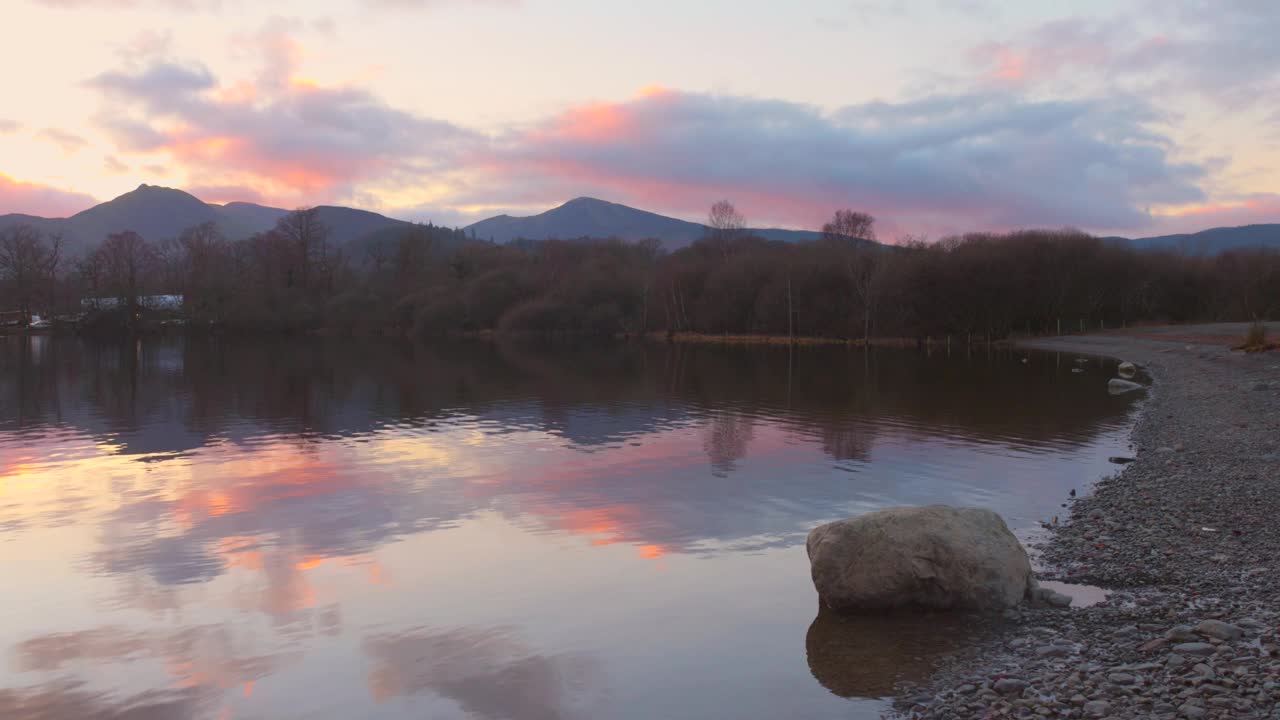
x=159 y=213
x=591 y=217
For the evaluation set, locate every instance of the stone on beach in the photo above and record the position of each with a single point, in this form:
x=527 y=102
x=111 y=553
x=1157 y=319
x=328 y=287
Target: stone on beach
x=1119 y=387
x=934 y=557
x=1220 y=630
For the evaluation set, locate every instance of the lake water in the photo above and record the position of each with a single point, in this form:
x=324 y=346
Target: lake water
x=355 y=529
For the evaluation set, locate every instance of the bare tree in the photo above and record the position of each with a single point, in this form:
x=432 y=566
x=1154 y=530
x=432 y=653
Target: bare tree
x=309 y=238
x=128 y=263
x=854 y=233
x=29 y=263
x=725 y=224
x=850 y=226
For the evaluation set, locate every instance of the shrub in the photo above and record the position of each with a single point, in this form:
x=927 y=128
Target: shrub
x=1255 y=336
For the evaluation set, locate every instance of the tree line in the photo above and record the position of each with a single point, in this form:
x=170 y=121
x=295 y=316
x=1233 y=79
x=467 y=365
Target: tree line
x=427 y=281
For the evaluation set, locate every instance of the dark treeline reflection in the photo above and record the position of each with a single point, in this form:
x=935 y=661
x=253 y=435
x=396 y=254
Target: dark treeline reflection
x=171 y=395
x=498 y=530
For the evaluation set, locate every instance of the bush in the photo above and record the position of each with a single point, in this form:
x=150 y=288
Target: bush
x=1255 y=336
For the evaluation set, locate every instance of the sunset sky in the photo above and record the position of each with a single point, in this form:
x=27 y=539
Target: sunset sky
x=1135 y=117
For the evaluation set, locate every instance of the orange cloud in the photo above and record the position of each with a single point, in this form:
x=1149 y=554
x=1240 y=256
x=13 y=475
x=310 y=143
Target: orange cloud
x=1250 y=210
x=32 y=198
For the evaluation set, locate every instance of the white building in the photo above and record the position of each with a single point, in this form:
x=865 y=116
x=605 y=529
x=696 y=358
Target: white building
x=171 y=303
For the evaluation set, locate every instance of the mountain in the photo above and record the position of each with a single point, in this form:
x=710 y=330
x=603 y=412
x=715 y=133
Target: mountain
x=1213 y=240
x=155 y=213
x=346 y=225
x=589 y=217
x=242 y=219
x=159 y=213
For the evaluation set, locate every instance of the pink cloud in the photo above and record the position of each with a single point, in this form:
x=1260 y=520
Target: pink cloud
x=1251 y=210
x=221 y=194
x=940 y=164
x=285 y=139
x=31 y=198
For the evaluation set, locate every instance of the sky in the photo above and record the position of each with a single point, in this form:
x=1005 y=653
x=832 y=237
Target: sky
x=1132 y=117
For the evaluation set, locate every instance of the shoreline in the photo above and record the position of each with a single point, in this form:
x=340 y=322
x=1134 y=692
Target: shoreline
x=1186 y=541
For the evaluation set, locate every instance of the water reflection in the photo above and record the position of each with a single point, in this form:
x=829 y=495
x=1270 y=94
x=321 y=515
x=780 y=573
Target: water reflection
x=872 y=656
x=70 y=699
x=489 y=673
x=225 y=515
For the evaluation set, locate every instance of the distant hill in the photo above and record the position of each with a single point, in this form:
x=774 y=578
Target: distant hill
x=1213 y=240
x=589 y=217
x=159 y=213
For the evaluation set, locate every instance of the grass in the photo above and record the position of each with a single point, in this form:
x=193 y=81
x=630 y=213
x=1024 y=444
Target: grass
x=1255 y=339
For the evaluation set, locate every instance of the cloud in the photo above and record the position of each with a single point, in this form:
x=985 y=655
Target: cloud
x=186 y=5
x=156 y=85
x=283 y=137
x=1226 y=212
x=8 y=126
x=219 y=194
x=962 y=161
x=422 y=4
x=1224 y=51
x=68 y=141
x=31 y=198
x=113 y=165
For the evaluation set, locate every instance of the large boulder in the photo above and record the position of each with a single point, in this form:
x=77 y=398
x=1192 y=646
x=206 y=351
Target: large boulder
x=935 y=557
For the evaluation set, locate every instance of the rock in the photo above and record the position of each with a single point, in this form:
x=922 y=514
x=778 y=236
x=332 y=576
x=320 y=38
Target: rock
x=1193 y=712
x=1182 y=634
x=1010 y=686
x=1261 y=387
x=1193 y=648
x=1077 y=370
x=1096 y=708
x=1175 y=661
x=1053 y=651
x=1121 y=678
x=1219 y=629
x=936 y=557
x=1119 y=387
x=1127 y=370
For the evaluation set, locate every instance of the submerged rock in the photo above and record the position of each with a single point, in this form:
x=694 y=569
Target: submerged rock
x=1127 y=370
x=935 y=557
x=1120 y=387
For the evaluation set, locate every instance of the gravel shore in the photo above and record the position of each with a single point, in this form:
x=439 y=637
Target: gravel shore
x=1187 y=540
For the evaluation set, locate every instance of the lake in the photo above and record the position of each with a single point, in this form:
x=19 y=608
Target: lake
x=345 y=528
